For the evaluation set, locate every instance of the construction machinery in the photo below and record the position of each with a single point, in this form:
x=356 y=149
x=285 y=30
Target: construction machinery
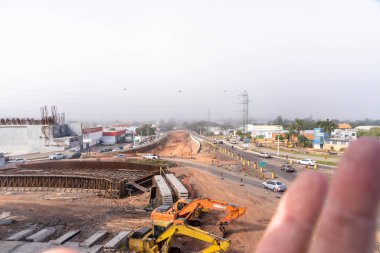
x=160 y=238
x=189 y=211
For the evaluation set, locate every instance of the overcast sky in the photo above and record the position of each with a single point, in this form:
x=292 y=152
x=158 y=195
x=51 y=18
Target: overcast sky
x=134 y=60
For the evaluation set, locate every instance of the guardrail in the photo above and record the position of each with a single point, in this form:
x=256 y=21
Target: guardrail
x=196 y=140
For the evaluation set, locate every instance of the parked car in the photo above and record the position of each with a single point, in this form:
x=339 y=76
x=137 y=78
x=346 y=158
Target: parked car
x=151 y=156
x=221 y=142
x=265 y=155
x=105 y=150
x=307 y=162
x=57 y=156
x=287 y=168
x=18 y=161
x=118 y=148
x=120 y=156
x=75 y=156
x=259 y=145
x=274 y=185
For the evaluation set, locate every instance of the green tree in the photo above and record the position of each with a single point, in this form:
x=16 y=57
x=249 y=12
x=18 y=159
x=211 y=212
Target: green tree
x=297 y=126
x=278 y=121
x=279 y=136
x=146 y=130
x=240 y=133
x=304 y=142
x=373 y=132
x=327 y=125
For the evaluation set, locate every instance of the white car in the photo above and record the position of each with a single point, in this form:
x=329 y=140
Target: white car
x=151 y=156
x=265 y=155
x=274 y=185
x=307 y=162
x=18 y=161
x=57 y=156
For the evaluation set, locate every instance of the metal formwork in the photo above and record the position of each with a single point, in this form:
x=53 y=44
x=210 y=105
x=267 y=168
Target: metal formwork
x=109 y=178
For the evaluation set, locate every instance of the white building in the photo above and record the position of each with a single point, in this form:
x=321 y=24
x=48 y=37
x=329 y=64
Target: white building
x=266 y=131
x=111 y=137
x=24 y=139
x=92 y=136
x=345 y=134
x=215 y=130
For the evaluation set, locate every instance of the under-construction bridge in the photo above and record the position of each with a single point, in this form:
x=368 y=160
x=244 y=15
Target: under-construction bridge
x=110 y=178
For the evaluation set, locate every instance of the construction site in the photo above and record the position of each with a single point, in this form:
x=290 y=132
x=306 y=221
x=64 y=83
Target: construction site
x=102 y=205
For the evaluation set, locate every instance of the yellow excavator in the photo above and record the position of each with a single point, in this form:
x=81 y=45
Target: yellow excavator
x=189 y=210
x=159 y=239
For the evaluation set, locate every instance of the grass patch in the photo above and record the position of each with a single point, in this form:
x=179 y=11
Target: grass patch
x=304 y=153
x=327 y=163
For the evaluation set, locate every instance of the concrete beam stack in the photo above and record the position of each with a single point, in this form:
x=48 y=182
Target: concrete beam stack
x=41 y=235
x=120 y=241
x=20 y=235
x=163 y=190
x=179 y=189
x=64 y=238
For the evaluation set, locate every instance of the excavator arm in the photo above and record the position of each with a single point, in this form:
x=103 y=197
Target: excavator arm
x=217 y=244
x=234 y=212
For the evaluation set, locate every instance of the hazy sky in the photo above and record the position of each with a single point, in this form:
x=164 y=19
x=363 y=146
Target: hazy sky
x=295 y=58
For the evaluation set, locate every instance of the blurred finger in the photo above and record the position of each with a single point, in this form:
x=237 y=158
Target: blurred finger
x=292 y=226
x=348 y=221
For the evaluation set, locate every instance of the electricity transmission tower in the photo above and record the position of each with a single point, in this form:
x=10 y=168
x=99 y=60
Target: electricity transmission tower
x=244 y=102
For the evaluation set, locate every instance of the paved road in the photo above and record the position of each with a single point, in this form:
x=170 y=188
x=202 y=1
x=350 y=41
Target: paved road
x=273 y=165
x=284 y=153
x=219 y=172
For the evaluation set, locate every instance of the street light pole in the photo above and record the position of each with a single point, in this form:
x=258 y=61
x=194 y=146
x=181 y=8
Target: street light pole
x=278 y=145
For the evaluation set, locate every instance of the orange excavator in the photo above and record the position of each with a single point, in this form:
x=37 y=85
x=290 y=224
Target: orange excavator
x=189 y=211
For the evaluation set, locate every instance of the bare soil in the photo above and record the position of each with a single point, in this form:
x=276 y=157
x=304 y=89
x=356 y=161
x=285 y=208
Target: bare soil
x=245 y=232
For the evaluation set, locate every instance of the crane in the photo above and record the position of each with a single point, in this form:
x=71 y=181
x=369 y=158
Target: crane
x=189 y=210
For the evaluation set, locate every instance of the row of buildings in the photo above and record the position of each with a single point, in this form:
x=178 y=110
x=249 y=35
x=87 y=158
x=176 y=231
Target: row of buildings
x=338 y=139
x=24 y=139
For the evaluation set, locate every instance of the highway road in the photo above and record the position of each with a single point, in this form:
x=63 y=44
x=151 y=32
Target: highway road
x=220 y=172
x=274 y=165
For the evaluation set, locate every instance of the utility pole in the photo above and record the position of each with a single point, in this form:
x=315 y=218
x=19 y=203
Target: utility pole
x=278 y=144
x=209 y=122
